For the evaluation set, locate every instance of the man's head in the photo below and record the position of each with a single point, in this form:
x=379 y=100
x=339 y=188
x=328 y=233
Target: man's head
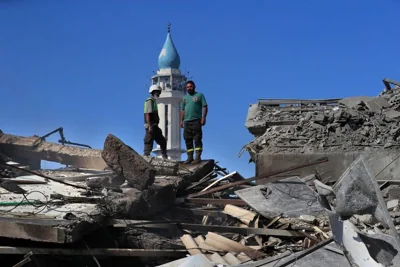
x=155 y=90
x=190 y=87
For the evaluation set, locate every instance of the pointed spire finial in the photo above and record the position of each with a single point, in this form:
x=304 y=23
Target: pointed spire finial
x=169 y=27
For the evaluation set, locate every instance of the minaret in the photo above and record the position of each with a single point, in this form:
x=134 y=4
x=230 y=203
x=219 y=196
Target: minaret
x=172 y=82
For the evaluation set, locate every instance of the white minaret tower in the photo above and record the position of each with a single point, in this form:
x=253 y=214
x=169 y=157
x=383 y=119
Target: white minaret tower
x=172 y=82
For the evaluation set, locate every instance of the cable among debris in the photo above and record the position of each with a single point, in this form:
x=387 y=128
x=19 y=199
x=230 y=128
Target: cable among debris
x=45 y=176
x=93 y=256
x=304 y=253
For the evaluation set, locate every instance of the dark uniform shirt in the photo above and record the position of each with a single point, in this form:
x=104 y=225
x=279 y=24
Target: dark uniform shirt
x=151 y=108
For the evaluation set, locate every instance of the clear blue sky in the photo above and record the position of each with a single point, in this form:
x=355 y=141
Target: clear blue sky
x=85 y=65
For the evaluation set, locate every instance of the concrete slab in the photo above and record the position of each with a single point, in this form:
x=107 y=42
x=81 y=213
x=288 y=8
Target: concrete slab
x=392 y=114
x=377 y=104
x=40 y=219
x=352 y=102
x=33 y=148
x=290 y=197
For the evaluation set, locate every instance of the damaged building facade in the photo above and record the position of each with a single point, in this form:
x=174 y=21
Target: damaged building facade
x=295 y=131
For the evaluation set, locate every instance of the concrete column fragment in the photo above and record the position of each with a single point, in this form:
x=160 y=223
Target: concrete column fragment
x=35 y=149
x=125 y=161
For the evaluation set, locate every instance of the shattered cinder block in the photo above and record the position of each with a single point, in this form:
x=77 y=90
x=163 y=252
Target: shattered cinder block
x=392 y=114
x=392 y=204
x=394 y=193
x=366 y=218
x=145 y=204
x=307 y=218
x=125 y=161
x=106 y=181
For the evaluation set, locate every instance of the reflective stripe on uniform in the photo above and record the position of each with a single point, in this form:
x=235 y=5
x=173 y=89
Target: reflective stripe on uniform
x=190 y=150
x=155 y=106
x=198 y=148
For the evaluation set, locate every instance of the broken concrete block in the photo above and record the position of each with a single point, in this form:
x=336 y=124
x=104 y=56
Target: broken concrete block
x=353 y=102
x=308 y=116
x=377 y=104
x=394 y=193
x=307 y=218
x=145 y=204
x=392 y=114
x=125 y=161
x=356 y=194
x=319 y=117
x=392 y=204
x=316 y=125
x=395 y=214
x=366 y=218
x=31 y=150
x=105 y=181
x=164 y=167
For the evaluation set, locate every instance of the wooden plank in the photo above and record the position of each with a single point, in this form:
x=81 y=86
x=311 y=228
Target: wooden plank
x=207 y=228
x=111 y=252
x=200 y=212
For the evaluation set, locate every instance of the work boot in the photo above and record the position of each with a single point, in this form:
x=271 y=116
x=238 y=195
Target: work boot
x=190 y=158
x=198 y=157
x=164 y=155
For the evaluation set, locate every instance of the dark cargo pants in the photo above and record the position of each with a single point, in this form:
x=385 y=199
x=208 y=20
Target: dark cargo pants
x=193 y=131
x=154 y=135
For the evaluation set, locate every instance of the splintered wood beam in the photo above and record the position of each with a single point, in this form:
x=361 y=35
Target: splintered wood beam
x=207 y=228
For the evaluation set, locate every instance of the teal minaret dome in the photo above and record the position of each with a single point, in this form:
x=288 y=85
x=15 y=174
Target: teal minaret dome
x=169 y=57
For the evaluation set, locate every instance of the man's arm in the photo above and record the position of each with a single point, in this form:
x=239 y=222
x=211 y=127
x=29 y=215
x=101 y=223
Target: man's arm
x=205 y=110
x=182 y=117
x=148 y=108
x=148 y=118
x=182 y=112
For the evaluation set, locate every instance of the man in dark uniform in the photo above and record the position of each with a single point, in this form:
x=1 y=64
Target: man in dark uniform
x=194 y=111
x=151 y=120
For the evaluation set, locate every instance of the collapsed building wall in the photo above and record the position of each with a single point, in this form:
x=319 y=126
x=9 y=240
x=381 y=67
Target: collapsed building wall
x=294 y=131
x=31 y=150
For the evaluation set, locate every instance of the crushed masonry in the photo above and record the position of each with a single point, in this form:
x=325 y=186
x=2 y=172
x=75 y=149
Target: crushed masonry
x=310 y=126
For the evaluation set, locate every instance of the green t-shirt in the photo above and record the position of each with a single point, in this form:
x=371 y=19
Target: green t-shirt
x=193 y=105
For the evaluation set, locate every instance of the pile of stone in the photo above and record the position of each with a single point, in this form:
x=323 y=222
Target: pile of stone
x=355 y=123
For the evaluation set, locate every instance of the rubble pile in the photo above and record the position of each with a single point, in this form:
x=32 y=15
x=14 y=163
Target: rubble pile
x=173 y=210
x=356 y=123
x=115 y=207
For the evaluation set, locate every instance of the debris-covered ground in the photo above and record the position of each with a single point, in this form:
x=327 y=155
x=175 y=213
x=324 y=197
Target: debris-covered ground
x=113 y=207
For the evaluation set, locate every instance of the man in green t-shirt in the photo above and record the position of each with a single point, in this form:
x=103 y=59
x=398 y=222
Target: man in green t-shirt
x=194 y=111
